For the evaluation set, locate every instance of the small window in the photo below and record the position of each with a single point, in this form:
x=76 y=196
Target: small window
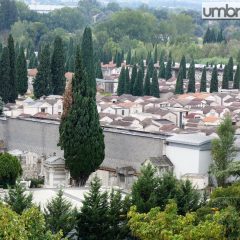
x=43 y=110
x=122 y=112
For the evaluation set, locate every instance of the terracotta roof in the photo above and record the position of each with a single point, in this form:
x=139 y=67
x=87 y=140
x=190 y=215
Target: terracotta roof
x=210 y=119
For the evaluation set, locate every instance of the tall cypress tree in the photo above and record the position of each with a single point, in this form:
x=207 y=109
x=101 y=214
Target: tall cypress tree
x=129 y=57
x=121 y=82
x=206 y=38
x=230 y=69
x=203 y=83
x=183 y=66
x=88 y=63
x=155 y=92
x=13 y=84
x=98 y=71
x=43 y=82
x=127 y=82
x=81 y=136
x=191 y=76
x=21 y=73
x=57 y=67
x=138 y=85
x=168 y=70
x=155 y=54
x=33 y=61
x=147 y=85
x=150 y=68
x=220 y=37
x=133 y=77
x=5 y=75
x=225 y=78
x=236 y=83
x=179 y=83
x=162 y=70
x=214 y=80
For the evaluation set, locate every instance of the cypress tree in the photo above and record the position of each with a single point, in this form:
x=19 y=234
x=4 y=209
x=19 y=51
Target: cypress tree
x=230 y=69
x=81 y=136
x=42 y=84
x=183 y=66
x=121 y=82
x=71 y=64
x=206 y=38
x=203 y=84
x=21 y=73
x=168 y=70
x=220 y=37
x=162 y=56
x=212 y=36
x=138 y=85
x=162 y=70
x=129 y=57
x=147 y=85
x=238 y=57
x=179 y=83
x=33 y=62
x=133 y=78
x=17 y=49
x=88 y=64
x=236 y=83
x=99 y=73
x=127 y=82
x=149 y=56
x=155 y=85
x=150 y=68
x=118 y=60
x=13 y=84
x=214 y=80
x=5 y=75
x=57 y=67
x=155 y=54
x=225 y=78
x=191 y=76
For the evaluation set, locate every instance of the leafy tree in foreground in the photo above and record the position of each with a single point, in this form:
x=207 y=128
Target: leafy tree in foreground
x=223 y=150
x=203 y=83
x=21 y=73
x=179 y=84
x=59 y=215
x=155 y=92
x=121 y=82
x=18 y=199
x=81 y=136
x=214 y=81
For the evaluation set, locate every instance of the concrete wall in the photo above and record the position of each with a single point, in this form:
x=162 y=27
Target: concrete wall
x=123 y=148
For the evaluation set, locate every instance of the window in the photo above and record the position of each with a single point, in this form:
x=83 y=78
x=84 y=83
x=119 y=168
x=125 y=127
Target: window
x=122 y=112
x=43 y=110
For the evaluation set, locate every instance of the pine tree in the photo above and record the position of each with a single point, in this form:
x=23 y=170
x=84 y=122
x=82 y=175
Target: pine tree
x=21 y=73
x=42 y=85
x=127 y=82
x=18 y=199
x=225 y=78
x=203 y=84
x=13 y=84
x=57 y=67
x=162 y=70
x=60 y=215
x=155 y=54
x=179 y=83
x=133 y=77
x=168 y=70
x=81 y=136
x=236 y=83
x=155 y=85
x=99 y=73
x=147 y=85
x=191 y=76
x=93 y=219
x=214 y=80
x=138 y=85
x=121 y=82
x=230 y=69
x=88 y=64
x=183 y=66
x=129 y=57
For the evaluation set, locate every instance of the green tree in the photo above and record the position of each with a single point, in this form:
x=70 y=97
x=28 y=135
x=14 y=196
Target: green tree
x=121 y=82
x=42 y=83
x=220 y=37
x=58 y=68
x=127 y=82
x=236 y=82
x=99 y=73
x=138 y=84
x=1 y=106
x=223 y=150
x=168 y=70
x=155 y=54
x=203 y=83
x=155 y=92
x=150 y=67
x=129 y=57
x=179 y=84
x=59 y=215
x=133 y=77
x=13 y=84
x=191 y=77
x=21 y=73
x=230 y=69
x=162 y=70
x=18 y=199
x=81 y=136
x=5 y=76
x=214 y=80
x=225 y=78
x=147 y=85
x=183 y=65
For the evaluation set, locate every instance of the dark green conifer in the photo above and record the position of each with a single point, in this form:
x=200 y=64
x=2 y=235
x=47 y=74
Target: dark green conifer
x=150 y=67
x=220 y=37
x=21 y=73
x=99 y=73
x=138 y=84
x=183 y=66
x=162 y=70
x=191 y=77
x=225 y=78
x=206 y=38
x=155 y=92
x=127 y=82
x=121 y=82
x=129 y=57
x=230 y=69
x=155 y=54
x=133 y=77
x=147 y=85
x=179 y=83
x=168 y=70
x=214 y=80
x=203 y=83
x=236 y=83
